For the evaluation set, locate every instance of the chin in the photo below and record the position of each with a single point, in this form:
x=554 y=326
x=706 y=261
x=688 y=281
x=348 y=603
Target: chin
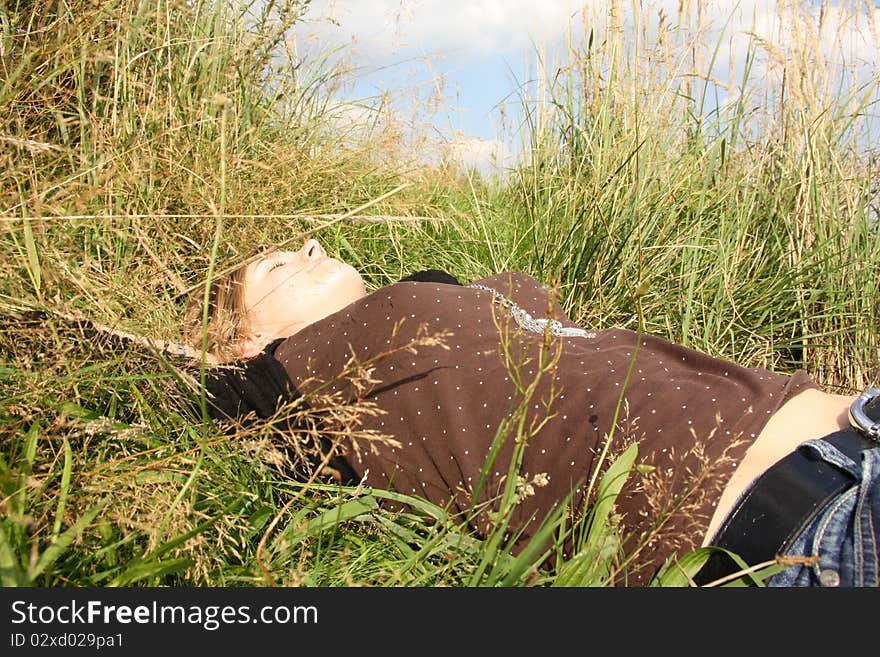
x=347 y=283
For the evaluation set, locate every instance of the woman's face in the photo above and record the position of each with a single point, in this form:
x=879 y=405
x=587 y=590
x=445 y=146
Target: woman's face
x=285 y=291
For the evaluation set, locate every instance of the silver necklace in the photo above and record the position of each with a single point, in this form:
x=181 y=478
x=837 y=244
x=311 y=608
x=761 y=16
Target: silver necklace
x=529 y=323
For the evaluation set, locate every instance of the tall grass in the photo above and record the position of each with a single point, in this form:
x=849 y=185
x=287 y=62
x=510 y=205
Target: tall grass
x=748 y=223
x=136 y=136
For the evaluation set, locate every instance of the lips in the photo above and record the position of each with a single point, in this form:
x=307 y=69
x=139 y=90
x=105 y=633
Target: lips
x=321 y=261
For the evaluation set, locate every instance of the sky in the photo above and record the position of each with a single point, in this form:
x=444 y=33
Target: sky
x=463 y=65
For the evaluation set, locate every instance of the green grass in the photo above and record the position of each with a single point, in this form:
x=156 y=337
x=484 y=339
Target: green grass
x=144 y=144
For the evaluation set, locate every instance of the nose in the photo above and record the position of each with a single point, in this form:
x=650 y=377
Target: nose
x=312 y=249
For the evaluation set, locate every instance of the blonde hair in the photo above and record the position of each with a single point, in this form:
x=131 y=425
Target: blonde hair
x=227 y=319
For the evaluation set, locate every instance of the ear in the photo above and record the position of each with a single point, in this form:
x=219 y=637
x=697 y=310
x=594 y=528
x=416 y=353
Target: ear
x=252 y=344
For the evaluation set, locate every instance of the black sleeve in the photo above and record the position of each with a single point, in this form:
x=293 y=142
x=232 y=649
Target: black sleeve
x=431 y=276
x=255 y=389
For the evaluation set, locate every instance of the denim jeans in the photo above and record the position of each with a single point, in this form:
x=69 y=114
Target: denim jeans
x=845 y=534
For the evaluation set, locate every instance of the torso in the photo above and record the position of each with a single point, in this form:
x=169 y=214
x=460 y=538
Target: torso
x=693 y=416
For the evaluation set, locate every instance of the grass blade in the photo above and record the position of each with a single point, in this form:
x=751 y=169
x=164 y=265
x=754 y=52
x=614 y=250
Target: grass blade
x=58 y=546
x=606 y=494
x=62 y=493
x=11 y=573
x=33 y=259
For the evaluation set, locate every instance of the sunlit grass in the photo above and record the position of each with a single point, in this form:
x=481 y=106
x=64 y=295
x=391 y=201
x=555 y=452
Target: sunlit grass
x=135 y=136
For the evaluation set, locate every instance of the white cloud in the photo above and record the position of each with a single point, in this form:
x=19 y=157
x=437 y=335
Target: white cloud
x=382 y=28
x=488 y=156
x=379 y=29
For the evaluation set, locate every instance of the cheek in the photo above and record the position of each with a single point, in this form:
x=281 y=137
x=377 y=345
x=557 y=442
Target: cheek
x=277 y=304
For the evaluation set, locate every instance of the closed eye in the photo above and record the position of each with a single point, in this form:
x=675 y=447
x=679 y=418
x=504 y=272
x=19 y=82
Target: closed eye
x=276 y=265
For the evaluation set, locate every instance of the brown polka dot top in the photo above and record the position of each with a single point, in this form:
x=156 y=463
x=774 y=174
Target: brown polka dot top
x=432 y=375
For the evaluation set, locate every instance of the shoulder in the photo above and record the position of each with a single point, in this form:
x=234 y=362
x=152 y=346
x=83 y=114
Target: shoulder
x=257 y=386
x=511 y=278
x=431 y=276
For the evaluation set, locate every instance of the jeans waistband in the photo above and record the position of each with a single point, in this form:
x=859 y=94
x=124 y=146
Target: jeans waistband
x=785 y=498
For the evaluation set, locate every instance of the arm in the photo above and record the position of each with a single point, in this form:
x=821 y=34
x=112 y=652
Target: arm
x=256 y=389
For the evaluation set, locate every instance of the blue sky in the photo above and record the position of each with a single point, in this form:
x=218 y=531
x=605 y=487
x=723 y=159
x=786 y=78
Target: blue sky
x=459 y=63
x=479 y=51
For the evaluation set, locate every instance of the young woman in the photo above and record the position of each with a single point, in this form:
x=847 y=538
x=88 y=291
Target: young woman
x=445 y=383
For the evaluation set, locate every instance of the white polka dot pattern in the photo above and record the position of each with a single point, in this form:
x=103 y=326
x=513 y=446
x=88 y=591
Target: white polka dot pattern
x=445 y=403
